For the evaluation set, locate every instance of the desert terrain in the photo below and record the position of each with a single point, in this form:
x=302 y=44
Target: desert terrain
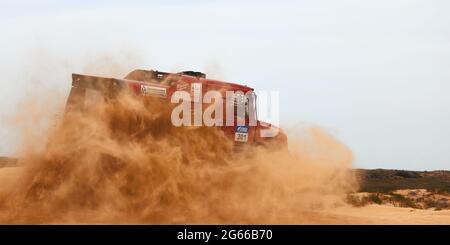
x=407 y=207
x=121 y=161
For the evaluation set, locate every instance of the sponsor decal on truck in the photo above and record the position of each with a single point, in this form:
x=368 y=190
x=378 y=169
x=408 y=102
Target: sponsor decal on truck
x=153 y=90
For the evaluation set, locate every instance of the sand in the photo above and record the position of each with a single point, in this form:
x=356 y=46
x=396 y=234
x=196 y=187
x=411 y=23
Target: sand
x=383 y=214
x=371 y=214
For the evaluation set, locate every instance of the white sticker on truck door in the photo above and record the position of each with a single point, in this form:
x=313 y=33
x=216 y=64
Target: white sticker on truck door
x=196 y=92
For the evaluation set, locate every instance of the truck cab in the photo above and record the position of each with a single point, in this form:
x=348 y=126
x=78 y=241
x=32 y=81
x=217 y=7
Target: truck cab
x=249 y=130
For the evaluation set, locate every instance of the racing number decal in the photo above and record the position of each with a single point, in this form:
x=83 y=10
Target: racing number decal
x=241 y=134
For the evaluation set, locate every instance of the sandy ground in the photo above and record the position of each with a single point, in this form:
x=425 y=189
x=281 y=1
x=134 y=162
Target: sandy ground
x=371 y=214
x=382 y=214
x=9 y=176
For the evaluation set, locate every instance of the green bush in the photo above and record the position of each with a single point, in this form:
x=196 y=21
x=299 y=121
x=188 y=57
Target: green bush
x=375 y=198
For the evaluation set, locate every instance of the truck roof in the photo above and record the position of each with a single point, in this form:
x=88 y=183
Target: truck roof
x=151 y=75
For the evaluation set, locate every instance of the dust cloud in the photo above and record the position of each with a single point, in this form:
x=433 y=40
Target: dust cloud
x=122 y=161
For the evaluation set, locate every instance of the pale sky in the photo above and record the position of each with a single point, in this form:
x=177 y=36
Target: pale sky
x=375 y=74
